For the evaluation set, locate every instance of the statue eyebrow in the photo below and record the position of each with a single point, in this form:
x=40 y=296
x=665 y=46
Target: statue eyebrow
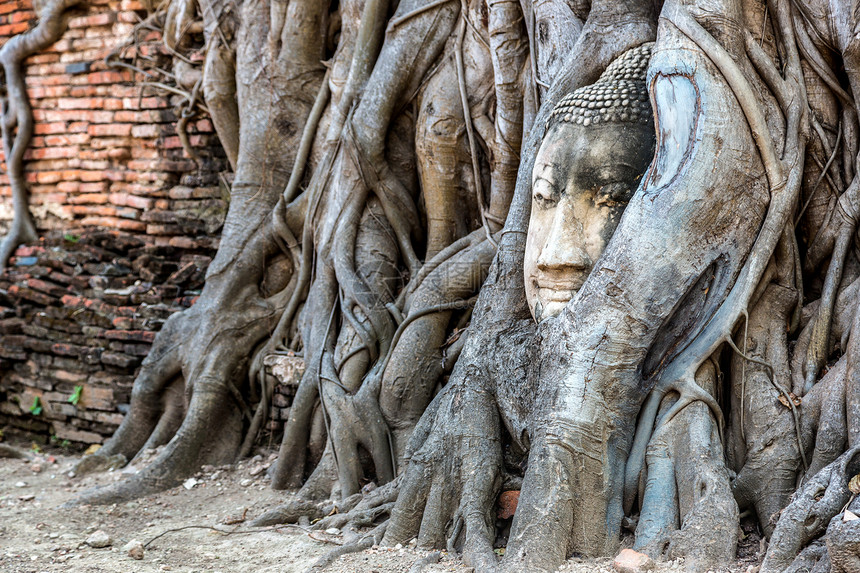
x=538 y=175
x=609 y=172
x=552 y=185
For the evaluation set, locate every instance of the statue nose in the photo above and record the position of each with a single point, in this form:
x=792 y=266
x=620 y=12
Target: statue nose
x=563 y=249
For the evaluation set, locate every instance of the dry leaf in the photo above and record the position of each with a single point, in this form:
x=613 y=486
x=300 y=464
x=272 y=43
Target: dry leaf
x=794 y=398
x=854 y=484
x=849 y=516
x=234 y=519
x=92 y=449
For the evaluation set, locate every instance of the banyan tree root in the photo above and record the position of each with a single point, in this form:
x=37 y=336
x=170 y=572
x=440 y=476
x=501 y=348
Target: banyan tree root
x=687 y=507
x=809 y=514
x=495 y=346
x=365 y=159
x=764 y=436
x=843 y=541
x=595 y=392
x=194 y=374
x=452 y=476
x=16 y=122
x=431 y=559
x=353 y=515
x=661 y=302
x=357 y=511
x=176 y=395
x=364 y=542
x=7 y=451
x=406 y=373
x=410 y=376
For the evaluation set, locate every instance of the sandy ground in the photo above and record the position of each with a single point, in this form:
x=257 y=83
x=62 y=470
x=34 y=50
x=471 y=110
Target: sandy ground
x=37 y=535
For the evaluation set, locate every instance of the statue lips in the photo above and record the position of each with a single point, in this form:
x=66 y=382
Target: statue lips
x=558 y=289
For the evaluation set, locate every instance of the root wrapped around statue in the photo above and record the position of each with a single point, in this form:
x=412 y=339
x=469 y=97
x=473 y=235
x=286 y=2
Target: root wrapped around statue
x=601 y=253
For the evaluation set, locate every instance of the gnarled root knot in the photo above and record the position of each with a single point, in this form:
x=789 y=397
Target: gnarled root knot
x=819 y=504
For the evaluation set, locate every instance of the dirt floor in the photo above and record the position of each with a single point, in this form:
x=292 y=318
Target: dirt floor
x=197 y=527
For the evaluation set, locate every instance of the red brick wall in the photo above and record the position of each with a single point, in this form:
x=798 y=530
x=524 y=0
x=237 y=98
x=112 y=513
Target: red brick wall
x=105 y=152
x=130 y=223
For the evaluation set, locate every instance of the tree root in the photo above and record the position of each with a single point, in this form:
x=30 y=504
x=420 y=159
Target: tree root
x=843 y=544
x=811 y=510
x=161 y=365
x=231 y=317
x=365 y=542
x=356 y=511
x=445 y=499
x=430 y=559
x=687 y=509
x=191 y=447
x=765 y=438
x=7 y=451
x=294 y=510
x=816 y=354
x=810 y=559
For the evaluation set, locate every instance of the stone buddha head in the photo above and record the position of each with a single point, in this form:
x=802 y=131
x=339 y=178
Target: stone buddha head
x=599 y=142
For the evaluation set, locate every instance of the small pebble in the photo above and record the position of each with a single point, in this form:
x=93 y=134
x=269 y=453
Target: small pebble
x=629 y=561
x=99 y=539
x=20 y=484
x=134 y=549
x=246 y=482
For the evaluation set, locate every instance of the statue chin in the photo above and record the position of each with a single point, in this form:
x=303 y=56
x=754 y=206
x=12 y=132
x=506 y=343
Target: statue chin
x=548 y=307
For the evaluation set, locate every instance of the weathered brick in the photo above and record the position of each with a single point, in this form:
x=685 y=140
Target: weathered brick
x=119 y=360
x=71 y=433
x=89 y=198
x=13 y=29
x=116 y=129
x=65 y=349
x=102 y=19
x=52 y=152
x=97 y=397
x=130 y=335
x=129 y=200
x=46 y=287
x=44 y=128
x=630 y=561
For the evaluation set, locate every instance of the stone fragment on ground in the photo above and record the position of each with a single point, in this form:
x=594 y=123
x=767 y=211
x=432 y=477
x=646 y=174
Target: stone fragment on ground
x=134 y=549
x=629 y=561
x=99 y=539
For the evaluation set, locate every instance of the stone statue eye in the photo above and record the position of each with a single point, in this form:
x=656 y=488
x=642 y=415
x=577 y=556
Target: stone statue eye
x=614 y=194
x=544 y=195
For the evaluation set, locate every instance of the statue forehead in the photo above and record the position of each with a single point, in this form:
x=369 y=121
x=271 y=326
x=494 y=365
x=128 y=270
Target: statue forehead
x=598 y=150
